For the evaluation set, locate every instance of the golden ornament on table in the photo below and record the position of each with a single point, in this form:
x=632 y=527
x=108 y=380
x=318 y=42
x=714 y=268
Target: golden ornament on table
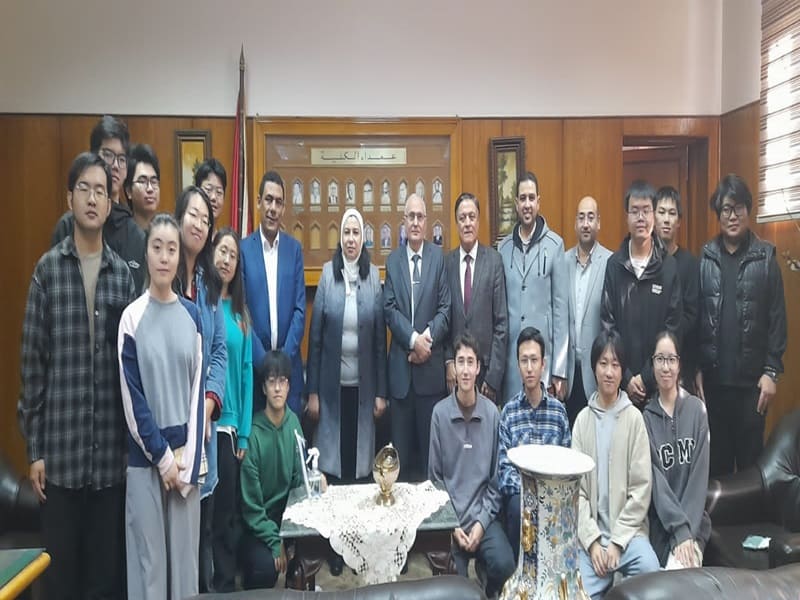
x=385 y=470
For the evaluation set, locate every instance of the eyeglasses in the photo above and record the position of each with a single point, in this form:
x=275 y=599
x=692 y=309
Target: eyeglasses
x=110 y=157
x=728 y=209
x=224 y=253
x=277 y=381
x=197 y=217
x=415 y=217
x=212 y=191
x=143 y=182
x=640 y=212
x=671 y=360
x=100 y=193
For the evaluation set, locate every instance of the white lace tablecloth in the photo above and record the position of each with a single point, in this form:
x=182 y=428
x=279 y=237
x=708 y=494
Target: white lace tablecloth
x=374 y=540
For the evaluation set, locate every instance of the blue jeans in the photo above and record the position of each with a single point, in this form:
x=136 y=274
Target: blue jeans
x=636 y=559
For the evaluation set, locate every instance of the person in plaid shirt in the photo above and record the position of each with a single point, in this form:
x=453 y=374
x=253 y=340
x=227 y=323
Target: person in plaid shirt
x=70 y=407
x=532 y=416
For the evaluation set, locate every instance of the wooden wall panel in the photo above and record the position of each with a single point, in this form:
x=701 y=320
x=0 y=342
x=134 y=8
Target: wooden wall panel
x=475 y=138
x=739 y=139
x=593 y=167
x=543 y=145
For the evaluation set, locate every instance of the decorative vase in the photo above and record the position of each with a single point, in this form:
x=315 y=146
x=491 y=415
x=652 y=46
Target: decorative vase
x=548 y=567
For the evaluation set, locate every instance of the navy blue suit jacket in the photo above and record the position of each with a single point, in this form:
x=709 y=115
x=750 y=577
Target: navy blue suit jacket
x=291 y=309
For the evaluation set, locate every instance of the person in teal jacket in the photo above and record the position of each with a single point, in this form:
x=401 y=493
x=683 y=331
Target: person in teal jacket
x=235 y=420
x=270 y=469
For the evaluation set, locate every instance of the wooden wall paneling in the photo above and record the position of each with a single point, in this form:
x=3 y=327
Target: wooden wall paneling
x=593 y=167
x=159 y=132
x=543 y=156
x=221 y=129
x=739 y=140
x=475 y=136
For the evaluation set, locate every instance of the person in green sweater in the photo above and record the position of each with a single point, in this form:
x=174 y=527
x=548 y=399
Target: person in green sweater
x=270 y=469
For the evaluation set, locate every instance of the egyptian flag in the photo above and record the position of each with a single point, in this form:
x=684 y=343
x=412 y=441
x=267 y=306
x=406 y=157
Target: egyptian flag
x=240 y=205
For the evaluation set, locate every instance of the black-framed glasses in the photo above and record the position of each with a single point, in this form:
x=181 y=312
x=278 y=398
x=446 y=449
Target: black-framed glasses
x=110 y=157
x=728 y=209
x=640 y=212
x=670 y=360
x=143 y=182
x=212 y=191
x=100 y=193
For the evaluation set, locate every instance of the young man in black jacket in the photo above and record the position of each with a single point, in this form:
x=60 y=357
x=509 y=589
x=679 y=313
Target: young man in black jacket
x=111 y=141
x=669 y=214
x=641 y=292
x=742 y=330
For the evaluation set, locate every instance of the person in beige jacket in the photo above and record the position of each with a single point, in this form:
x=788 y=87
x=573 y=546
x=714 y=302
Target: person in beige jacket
x=615 y=496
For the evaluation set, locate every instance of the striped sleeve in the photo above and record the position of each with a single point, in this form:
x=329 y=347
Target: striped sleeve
x=138 y=416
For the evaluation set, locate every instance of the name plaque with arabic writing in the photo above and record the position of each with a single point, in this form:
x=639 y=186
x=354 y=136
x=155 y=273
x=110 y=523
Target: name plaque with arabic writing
x=358 y=156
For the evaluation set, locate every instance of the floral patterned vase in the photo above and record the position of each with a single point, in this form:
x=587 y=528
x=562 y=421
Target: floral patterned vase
x=548 y=566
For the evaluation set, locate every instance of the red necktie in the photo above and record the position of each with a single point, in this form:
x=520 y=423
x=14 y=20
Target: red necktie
x=467 y=283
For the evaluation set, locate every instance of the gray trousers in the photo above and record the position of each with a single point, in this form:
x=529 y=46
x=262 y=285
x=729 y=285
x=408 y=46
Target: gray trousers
x=162 y=536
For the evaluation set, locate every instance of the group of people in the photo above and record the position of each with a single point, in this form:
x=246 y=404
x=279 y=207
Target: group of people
x=163 y=382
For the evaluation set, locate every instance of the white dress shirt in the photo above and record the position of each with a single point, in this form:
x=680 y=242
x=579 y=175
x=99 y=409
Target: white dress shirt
x=271 y=270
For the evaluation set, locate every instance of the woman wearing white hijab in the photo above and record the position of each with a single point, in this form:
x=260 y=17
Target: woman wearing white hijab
x=346 y=368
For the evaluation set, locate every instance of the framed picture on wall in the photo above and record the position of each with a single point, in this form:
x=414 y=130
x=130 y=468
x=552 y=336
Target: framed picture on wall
x=192 y=147
x=506 y=163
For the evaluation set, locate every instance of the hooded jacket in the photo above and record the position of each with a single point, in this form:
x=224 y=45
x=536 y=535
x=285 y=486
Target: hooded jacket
x=639 y=309
x=629 y=473
x=537 y=292
x=121 y=233
x=679 y=451
x=270 y=470
x=760 y=307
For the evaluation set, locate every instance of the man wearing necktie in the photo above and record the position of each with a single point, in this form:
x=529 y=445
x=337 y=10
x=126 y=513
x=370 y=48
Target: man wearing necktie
x=477 y=285
x=417 y=310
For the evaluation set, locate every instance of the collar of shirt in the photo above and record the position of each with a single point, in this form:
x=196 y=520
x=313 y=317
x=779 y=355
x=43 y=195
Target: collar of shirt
x=454 y=412
x=265 y=245
x=473 y=253
x=410 y=253
x=588 y=258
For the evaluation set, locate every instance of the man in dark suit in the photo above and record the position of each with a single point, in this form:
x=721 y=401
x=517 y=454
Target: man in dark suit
x=417 y=309
x=477 y=285
x=272 y=269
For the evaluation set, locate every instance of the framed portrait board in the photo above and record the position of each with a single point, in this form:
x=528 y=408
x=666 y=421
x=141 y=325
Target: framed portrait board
x=192 y=147
x=330 y=165
x=506 y=164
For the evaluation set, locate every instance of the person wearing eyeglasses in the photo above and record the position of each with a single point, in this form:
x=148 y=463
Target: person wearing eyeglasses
x=537 y=289
x=70 y=406
x=110 y=140
x=210 y=177
x=641 y=292
x=200 y=282
x=677 y=427
x=143 y=184
x=742 y=330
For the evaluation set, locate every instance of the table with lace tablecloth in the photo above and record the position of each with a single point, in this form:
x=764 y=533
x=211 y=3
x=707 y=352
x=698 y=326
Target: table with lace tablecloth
x=373 y=540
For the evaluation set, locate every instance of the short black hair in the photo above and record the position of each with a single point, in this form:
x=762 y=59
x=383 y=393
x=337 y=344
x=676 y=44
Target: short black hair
x=467 y=196
x=530 y=334
x=83 y=161
x=466 y=340
x=275 y=364
x=107 y=128
x=608 y=339
x=274 y=177
x=140 y=153
x=640 y=189
x=208 y=167
x=668 y=192
x=734 y=187
x=670 y=336
x=528 y=176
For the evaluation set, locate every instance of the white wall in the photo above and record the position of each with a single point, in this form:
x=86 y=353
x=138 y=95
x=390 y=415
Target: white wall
x=364 y=57
x=741 y=53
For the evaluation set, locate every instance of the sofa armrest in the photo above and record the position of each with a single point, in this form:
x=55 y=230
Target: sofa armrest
x=736 y=499
x=784 y=549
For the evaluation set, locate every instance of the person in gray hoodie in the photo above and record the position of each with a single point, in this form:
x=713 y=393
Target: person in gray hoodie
x=677 y=425
x=615 y=496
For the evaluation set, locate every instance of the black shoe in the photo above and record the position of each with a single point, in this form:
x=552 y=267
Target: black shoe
x=336 y=565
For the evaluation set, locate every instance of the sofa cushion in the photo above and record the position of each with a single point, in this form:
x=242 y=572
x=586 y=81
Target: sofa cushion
x=724 y=548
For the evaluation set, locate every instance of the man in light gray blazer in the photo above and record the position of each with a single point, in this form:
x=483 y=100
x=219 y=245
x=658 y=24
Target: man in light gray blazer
x=478 y=293
x=536 y=289
x=416 y=302
x=586 y=265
